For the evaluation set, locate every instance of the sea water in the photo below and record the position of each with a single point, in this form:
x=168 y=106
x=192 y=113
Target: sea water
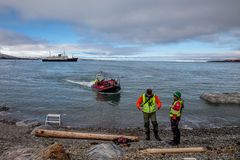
x=33 y=89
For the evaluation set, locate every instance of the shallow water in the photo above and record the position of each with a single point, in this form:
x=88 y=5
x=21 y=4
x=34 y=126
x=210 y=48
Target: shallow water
x=33 y=89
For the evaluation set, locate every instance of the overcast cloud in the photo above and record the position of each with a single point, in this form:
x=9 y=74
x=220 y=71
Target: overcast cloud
x=136 y=21
x=12 y=38
x=139 y=21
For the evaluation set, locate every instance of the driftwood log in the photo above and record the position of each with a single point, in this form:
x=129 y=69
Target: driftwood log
x=173 y=150
x=78 y=135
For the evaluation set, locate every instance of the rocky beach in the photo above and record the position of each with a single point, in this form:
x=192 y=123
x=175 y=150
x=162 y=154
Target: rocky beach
x=17 y=143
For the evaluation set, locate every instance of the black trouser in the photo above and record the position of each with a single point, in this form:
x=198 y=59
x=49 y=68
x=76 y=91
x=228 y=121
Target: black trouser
x=175 y=130
x=153 y=118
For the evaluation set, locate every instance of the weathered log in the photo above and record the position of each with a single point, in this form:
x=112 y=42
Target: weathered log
x=78 y=135
x=172 y=150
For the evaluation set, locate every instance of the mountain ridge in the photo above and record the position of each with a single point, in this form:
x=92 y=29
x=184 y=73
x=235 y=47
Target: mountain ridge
x=6 y=56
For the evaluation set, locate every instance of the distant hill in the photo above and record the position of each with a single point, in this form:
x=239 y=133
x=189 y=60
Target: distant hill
x=226 y=60
x=5 y=56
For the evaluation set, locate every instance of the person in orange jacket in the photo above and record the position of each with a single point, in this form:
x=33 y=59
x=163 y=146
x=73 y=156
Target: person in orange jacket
x=148 y=103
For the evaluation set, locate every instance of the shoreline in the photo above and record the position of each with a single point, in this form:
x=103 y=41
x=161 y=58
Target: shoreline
x=221 y=143
x=15 y=139
x=8 y=118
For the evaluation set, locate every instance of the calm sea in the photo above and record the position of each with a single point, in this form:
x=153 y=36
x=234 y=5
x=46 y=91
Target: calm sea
x=33 y=89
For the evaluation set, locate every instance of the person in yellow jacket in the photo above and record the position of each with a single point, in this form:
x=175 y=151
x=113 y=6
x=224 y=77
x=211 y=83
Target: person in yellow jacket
x=148 y=103
x=175 y=115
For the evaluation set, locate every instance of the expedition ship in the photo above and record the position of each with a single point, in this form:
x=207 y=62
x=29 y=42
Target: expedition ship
x=59 y=58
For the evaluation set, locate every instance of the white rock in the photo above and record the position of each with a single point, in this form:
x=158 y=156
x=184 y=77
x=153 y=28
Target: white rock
x=105 y=151
x=221 y=98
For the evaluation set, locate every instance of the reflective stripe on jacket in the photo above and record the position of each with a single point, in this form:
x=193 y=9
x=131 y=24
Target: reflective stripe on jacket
x=174 y=112
x=148 y=106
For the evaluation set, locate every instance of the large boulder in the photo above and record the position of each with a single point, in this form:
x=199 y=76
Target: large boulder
x=105 y=151
x=222 y=98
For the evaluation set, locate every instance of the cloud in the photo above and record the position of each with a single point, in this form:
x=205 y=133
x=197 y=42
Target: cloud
x=13 y=38
x=121 y=28
x=17 y=44
x=136 y=21
x=41 y=50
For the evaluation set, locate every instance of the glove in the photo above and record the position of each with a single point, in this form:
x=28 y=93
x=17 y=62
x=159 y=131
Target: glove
x=139 y=108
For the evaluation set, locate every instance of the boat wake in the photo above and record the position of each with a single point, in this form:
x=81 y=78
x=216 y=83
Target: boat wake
x=81 y=83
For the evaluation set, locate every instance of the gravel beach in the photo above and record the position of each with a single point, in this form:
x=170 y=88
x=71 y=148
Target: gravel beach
x=221 y=143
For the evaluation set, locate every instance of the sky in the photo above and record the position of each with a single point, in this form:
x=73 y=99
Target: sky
x=121 y=29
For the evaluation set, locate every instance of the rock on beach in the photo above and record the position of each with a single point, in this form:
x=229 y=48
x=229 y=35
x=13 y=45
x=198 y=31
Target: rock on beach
x=222 y=98
x=28 y=123
x=105 y=151
x=3 y=108
x=55 y=151
x=18 y=154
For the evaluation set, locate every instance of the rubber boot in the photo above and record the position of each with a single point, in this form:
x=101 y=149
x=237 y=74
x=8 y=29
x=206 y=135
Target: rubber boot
x=177 y=137
x=176 y=132
x=147 y=130
x=155 y=130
